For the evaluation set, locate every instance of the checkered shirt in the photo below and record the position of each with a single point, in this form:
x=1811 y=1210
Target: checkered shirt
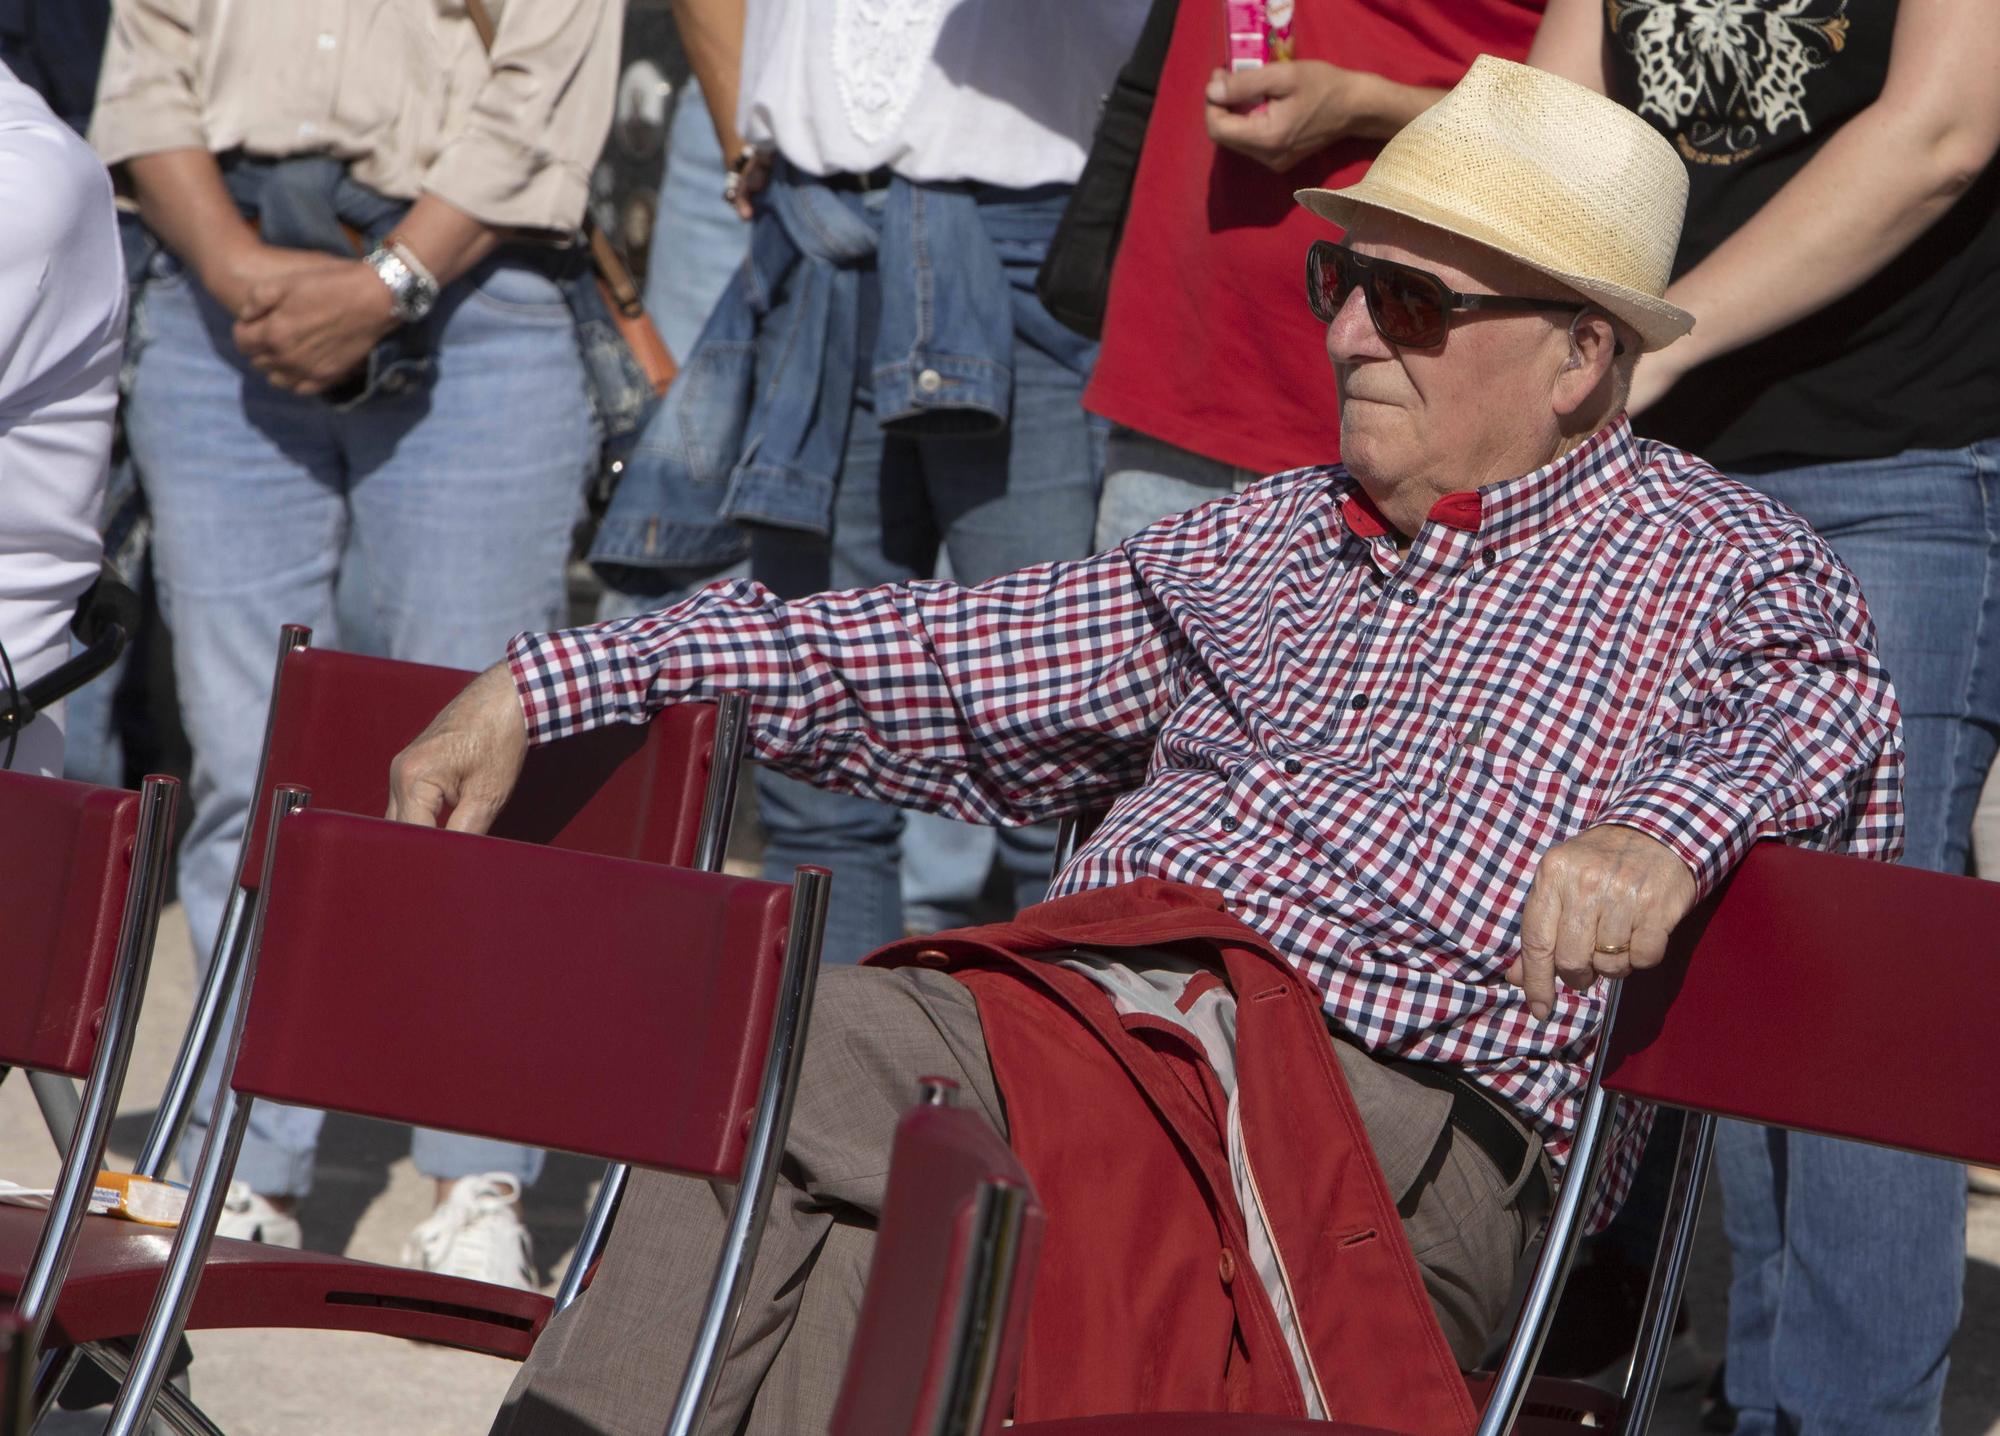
x=1365 y=751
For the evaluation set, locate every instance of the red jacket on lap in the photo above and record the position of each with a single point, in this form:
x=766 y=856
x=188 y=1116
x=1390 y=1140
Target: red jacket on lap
x=1145 y=1300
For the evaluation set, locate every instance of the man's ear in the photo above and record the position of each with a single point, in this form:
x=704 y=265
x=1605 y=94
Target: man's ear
x=1588 y=373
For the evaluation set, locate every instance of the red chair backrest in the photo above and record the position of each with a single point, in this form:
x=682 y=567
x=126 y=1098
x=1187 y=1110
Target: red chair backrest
x=1831 y=994
x=65 y=863
x=627 y=789
x=898 y=1370
x=631 y=1022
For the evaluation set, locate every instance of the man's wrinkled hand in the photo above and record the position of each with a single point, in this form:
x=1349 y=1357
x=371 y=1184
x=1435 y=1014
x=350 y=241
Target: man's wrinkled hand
x=307 y=330
x=1279 y=114
x=1602 y=905
x=467 y=760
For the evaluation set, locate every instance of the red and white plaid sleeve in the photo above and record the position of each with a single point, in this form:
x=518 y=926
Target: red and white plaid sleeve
x=1004 y=703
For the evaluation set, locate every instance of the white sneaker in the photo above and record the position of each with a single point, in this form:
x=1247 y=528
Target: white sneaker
x=476 y=1232
x=249 y=1216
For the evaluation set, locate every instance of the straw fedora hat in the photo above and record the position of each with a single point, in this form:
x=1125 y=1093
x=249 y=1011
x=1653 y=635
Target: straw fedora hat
x=1548 y=173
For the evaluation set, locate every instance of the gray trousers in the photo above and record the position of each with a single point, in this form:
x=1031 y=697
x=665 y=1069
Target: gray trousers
x=611 y=1365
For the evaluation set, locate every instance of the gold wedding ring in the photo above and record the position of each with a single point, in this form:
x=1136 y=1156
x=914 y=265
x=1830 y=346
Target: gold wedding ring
x=1612 y=949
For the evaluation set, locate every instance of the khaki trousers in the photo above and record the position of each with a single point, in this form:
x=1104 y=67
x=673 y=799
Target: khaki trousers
x=611 y=1365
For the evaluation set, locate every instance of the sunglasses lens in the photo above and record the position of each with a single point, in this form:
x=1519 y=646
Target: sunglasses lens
x=1327 y=281
x=1406 y=306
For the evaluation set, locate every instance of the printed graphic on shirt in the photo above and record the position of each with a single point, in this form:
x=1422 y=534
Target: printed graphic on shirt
x=1725 y=77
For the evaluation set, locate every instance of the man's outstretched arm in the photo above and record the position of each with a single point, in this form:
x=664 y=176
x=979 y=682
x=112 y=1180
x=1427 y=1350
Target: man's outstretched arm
x=1003 y=703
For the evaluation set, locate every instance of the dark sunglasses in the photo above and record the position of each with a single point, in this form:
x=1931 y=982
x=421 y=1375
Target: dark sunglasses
x=1409 y=307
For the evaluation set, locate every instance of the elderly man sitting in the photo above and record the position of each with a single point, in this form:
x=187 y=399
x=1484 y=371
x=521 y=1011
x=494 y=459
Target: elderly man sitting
x=1409 y=751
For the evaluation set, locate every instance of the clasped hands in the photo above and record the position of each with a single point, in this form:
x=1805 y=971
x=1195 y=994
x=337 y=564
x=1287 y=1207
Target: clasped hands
x=304 y=320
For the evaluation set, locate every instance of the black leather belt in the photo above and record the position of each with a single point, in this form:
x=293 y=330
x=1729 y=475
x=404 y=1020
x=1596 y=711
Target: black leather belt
x=860 y=184
x=1480 y=1118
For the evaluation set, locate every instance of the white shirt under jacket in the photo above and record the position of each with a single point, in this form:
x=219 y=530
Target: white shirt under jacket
x=62 y=330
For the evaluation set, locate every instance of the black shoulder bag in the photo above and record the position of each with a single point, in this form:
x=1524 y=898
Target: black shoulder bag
x=1075 y=278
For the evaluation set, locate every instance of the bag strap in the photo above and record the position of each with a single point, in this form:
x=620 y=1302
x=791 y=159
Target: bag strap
x=1149 y=56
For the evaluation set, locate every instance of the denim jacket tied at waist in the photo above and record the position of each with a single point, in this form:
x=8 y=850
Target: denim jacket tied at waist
x=915 y=296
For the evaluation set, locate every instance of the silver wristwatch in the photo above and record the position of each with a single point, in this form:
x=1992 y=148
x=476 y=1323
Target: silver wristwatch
x=412 y=290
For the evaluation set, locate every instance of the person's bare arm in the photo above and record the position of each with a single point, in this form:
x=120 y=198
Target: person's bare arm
x=712 y=35
x=1571 y=42
x=1279 y=114
x=1888 y=175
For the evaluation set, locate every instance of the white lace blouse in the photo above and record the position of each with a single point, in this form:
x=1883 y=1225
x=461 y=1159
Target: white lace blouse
x=1002 y=91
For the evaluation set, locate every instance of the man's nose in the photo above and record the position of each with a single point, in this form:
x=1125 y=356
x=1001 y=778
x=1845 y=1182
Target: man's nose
x=1352 y=334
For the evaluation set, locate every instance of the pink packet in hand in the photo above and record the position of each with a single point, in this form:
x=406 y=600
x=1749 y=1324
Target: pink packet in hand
x=1259 y=31
x=1244 y=20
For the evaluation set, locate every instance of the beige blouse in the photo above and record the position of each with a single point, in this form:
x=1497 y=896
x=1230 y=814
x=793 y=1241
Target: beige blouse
x=401 y=89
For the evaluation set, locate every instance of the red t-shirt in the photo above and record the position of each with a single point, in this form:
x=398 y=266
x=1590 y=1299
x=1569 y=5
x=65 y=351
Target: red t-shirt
x=1208 y=343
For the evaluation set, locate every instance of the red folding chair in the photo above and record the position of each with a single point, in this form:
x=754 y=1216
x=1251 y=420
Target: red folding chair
x=82 y=873
x=1770 y=989
x=683 y=1056
x=937 y=1345
x=660 y=792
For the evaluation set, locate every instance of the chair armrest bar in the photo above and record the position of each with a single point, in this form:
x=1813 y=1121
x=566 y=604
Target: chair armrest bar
x=1564 y=1235
x=766 y=1147
x=84 y=1154
x=1670 y=1263
x=718 y=808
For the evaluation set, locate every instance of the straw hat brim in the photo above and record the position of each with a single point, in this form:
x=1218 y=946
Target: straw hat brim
x=1657 y=322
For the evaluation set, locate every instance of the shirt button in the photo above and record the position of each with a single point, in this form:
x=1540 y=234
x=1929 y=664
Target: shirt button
x=1229 y=825
x=931 y=957
x=307 y=129
x=327 y=42
x=1294 y=766
x=1225 y=1266
x=1409 y=595
x=1489 y=556
x=1358 y=702
x=930 y=381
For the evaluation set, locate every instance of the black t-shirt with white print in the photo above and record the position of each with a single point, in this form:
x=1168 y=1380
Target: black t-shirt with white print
x=1747 y=91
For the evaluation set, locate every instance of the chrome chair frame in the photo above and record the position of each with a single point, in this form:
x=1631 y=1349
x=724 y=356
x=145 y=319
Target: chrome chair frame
x=165 y=1322
x=1564 y=1235
x=144 y=890
x=732 y=731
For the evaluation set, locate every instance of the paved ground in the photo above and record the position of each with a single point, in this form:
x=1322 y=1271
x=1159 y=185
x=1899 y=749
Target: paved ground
x=368 y=1196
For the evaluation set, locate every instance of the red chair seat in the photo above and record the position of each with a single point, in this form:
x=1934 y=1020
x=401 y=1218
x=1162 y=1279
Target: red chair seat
x=248 y=1284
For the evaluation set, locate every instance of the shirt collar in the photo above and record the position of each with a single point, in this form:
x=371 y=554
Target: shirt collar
x=1517 y=511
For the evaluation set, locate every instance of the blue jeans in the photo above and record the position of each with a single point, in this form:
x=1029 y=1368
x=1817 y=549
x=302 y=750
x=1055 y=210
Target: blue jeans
x=1148 y=479
x=459 y=501
x=997 y=503
x=1849 y=1260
